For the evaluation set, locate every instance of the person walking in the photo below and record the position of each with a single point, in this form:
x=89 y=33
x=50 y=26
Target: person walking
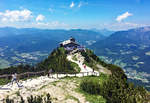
x=93 y=70
x=14 y=79
x=50 y=73
x=84 y=66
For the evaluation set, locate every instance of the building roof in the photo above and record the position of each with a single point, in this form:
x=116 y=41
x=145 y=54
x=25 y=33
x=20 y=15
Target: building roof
x=68 y=42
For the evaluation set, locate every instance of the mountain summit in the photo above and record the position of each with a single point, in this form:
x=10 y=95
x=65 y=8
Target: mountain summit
x=72 y=57
x=103 y=81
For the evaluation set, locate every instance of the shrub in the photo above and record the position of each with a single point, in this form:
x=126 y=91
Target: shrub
x=9 y=100
x=32 y=99
x=90 y=85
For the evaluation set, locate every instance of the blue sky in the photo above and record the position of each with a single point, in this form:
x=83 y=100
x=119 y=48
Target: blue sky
x=71 y=14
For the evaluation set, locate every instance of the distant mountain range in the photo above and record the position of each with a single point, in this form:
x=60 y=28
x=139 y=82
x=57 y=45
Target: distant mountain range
x=129 y=49
x=30 y=44
x=105 y=32
x=58 y=34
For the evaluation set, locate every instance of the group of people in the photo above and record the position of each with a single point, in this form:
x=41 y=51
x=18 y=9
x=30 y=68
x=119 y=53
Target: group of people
x=83 y=65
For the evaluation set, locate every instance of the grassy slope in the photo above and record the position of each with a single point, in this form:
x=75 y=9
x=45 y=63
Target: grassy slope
x=57 y=61
x=94 y=98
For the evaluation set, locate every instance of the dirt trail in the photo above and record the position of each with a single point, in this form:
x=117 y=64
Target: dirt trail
x=60 y=90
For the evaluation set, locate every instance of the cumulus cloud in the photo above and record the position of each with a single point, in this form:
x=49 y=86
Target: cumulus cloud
x=123 y=16
x=16 y=15
x=72 y=5
x=40 y=18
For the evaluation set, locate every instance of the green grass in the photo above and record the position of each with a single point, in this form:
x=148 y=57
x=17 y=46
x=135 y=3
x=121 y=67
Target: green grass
x=75 y=66
x=73 y=98
x=102 y=78
x=4 y=81
x=92 y=98
x=75 y=58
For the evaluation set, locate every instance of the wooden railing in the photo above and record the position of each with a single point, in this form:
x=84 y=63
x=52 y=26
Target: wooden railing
x=23 y=75
x=43 y=73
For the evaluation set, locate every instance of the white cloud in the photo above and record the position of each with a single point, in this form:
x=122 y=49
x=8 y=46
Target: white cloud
x=121 y=25
x=40 y=18
x=4 y=19
x=80 y=4
x=51 y=25
x=72 y=5
x=16 y=15
x=123 y=16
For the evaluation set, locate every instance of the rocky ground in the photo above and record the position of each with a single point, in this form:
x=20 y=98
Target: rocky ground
x=61 y=90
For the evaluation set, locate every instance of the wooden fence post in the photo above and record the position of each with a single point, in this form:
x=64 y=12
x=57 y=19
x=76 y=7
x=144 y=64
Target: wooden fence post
x=67 y=74
x=44 y=73
x=57 y=75
x=7 y=77
x=28 y=75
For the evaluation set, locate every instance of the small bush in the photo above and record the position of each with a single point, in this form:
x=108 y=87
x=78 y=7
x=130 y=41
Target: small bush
x=4 y=81
x=9 y=100
x=32 y=99
x=91 y=85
